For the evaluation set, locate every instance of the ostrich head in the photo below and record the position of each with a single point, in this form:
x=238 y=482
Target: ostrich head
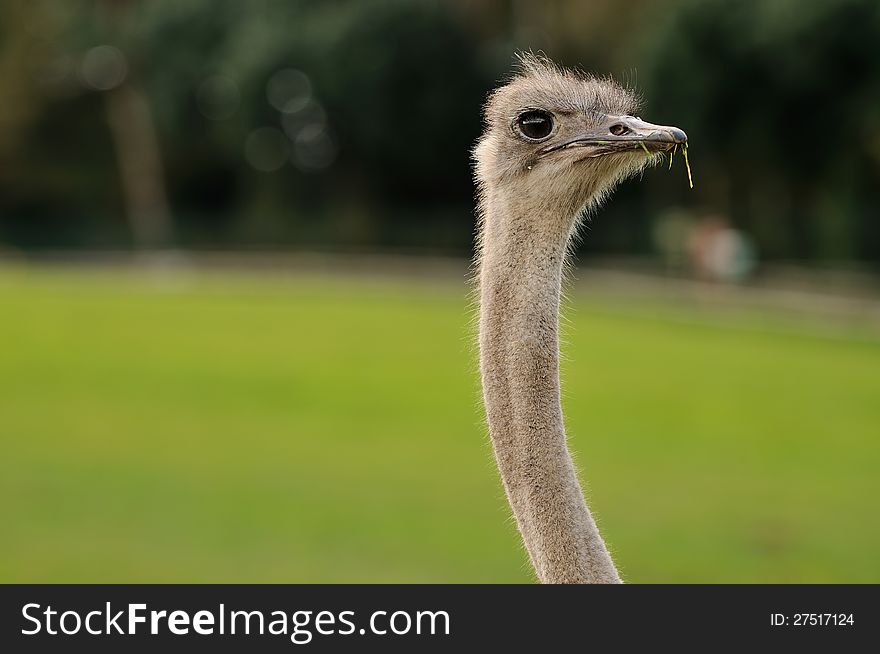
x=555 y=142
x=564 y=138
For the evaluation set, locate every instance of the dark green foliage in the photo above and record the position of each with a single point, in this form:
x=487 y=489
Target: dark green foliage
x=781 y=101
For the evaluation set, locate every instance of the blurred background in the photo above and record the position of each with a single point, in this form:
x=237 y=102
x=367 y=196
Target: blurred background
x=236 y=327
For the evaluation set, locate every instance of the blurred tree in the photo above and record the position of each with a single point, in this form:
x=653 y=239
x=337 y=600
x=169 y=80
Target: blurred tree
x=130 y=120
x=16 y=70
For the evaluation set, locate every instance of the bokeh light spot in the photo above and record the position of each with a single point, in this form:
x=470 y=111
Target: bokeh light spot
x=289 y=90
x=103 y=68
x=266 y=149
x=314 y=149
x=310 y=114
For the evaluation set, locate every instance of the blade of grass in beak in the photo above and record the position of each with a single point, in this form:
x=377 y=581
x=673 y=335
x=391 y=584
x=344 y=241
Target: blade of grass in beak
x=684 y=151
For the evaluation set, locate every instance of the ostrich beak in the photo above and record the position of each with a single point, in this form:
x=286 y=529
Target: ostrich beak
x=625 y=133
x=630 y=128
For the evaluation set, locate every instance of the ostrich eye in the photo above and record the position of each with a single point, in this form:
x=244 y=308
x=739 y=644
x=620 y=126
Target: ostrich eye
x=535 y=125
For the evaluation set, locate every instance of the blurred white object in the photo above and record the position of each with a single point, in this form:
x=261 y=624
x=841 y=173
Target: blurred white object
x=720 y=252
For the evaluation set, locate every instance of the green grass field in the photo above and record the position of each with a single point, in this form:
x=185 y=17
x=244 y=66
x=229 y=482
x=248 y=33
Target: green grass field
x=236 y=428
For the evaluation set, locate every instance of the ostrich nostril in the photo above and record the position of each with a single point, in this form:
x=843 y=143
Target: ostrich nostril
x=618 y=129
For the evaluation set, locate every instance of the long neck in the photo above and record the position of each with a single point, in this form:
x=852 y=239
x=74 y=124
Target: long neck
x=520 y=276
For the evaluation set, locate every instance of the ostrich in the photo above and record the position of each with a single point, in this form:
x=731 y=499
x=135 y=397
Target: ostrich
x=555 y=143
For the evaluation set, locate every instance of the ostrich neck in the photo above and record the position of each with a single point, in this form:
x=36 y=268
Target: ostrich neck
x=523 y=248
